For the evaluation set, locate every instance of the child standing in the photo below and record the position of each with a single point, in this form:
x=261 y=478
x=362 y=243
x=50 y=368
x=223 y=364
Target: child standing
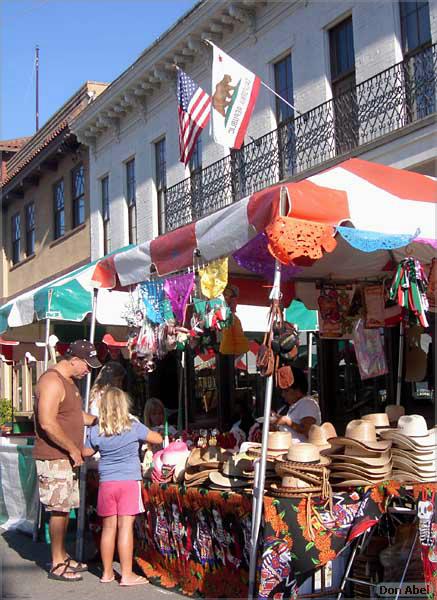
x=117 y=438
x=154 y=416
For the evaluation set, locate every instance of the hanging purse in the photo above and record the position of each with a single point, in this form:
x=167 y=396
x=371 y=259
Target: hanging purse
x=284 y=377
x=265 y=360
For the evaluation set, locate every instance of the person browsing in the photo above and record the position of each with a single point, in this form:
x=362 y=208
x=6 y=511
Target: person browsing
x=117 y=437
x=302 y=411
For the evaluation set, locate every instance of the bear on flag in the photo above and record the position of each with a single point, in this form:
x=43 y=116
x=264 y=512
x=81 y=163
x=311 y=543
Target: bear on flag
x=234 y=93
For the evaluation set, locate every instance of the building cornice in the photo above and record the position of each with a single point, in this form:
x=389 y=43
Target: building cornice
x=154 y=70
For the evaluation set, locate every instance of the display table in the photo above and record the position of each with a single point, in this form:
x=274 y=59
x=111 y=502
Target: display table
x=18 y=486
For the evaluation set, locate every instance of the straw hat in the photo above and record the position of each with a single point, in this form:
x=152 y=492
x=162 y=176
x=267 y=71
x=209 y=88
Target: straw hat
x=394 y=412
x=204 y=458
x=238 y=465
x=304 y=453
x=416 y=457
x=351 y=474
x=278 y=443
x=400 y=462
x=221 y=481
x=362 y=435
x=406 y=477
x=302 y=471
x=320 y=434
x=380 y=420
x=352 y=482
x=354 y=456
x=412 y=432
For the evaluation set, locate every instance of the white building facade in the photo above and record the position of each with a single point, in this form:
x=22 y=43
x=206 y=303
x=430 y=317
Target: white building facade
x=361 y=74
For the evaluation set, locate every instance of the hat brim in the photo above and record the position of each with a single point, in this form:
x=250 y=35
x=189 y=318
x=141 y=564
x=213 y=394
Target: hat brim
x=367 y=473
x=416 y=457
x=404 y=476
x=223 y=481
x=289 y=492
x=348 y=474
x=426 y=441
x=380 y=446
x=353 y=483
x=93 y=362
x=373 y=461
x=426 y=468
x=324 y=460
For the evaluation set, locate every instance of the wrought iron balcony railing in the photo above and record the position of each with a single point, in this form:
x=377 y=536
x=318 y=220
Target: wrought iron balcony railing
x=396 y=97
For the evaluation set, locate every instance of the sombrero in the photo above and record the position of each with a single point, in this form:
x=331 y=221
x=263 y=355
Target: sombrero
x=222 y=481
x=380 y=420
x=319 y=436
x=278 y=444
x=303 y=453
x=412 y=432
x=361 y=434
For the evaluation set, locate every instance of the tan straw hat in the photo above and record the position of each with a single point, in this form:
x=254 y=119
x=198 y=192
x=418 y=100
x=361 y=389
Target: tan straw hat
x=238 y=465
x=320 y=434
x=362 y=435
x=278 y=444
x=412 y=432
x=304 y=453
x=380 y=420
x=352 y=456
x=368 y=471
x=222 y=481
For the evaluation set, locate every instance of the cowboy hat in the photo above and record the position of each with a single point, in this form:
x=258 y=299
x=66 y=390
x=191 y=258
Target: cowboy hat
x=404 y=476
x=407 y=465
x=349 y=474
x=352 y=483
x=378 y=475
x=238 y=465
x=361 y=434
x=380 y=420
x=376 y=460
x=412 y=431
x=303 y=453
x=320 y=434
x=207 y=457
x=414 y=456
x=222 y=481
x=278 y=443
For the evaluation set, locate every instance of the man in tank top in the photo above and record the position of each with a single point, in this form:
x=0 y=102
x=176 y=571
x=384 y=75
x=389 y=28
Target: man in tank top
x=59 y=428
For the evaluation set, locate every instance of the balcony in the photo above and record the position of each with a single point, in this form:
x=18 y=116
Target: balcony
x=385 y=103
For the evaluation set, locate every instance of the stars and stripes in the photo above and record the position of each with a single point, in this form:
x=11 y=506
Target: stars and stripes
x=194 y=106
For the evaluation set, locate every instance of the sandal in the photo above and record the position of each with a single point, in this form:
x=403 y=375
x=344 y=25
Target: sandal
x=138 y=581
x=80 y=566
x=63 y=575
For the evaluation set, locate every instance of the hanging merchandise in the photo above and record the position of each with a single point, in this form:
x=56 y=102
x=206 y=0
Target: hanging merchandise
x=153 y=298
x=291 y=238
x=374 y=303
x=416 y=359
x=178 y=290
x=334 y=309
x=431 y=292
x=409 y=288
x=369 y=351
x=234 y=341
x=214 y=278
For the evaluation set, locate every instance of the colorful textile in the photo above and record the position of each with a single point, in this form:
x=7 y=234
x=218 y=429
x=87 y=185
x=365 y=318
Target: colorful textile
x=234 y=93
x=369 y=351
x=334 y=306
x=256 y=258
x=425 y=494
x=153 y=297
x=409 y=288
x=194 y=107
x=178 y=290
x=214 y=278
x=375 y=308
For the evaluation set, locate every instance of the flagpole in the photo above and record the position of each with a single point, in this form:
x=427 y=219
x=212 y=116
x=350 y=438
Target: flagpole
x=281 y=98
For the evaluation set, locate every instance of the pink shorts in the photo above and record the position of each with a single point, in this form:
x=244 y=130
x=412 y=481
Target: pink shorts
x=119 y=498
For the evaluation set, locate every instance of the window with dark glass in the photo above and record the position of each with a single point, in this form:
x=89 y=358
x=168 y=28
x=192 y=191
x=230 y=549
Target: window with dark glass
x=415 y=25
x=106 y=215
x=59 y=209
x=161 y=181
x=196 y=179
x=342 y=54
x=30 y=229
x=78 y=195
x=131 y=201
x=284 y=87
x=16 y=238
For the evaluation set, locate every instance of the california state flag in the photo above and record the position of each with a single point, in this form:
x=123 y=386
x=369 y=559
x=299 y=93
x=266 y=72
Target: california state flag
x=234 y=93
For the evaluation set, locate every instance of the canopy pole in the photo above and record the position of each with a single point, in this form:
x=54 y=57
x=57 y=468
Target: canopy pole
x=181 y=398
x=83 y=469
x=400 y=363
x=310 y=361
x=46 y=347
x=258 y=490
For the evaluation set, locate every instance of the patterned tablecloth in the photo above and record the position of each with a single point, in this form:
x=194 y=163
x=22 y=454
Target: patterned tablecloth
x=197 y=541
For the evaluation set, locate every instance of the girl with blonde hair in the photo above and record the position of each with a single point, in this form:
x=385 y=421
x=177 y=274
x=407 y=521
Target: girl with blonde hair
x=154 y=416
x=117 y=437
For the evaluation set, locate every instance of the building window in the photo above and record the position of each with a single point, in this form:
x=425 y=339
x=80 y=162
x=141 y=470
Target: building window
x=16 y=238
x=105 y=215
x=59 y=209
x=284 y=116
x=78 y=195
x=196 y=180
x=284 y=87
x=131 y=201
x=161 y=182
x=415 y=25
x=342 y=60
x=30 y=229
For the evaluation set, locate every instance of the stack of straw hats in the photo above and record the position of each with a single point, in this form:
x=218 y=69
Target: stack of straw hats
x=278 y=444
x=414 y=450
x=302 y=470
x=358 y=457
x=236 y=473
x=201 y=462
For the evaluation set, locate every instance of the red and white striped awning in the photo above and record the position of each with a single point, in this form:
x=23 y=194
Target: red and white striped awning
x=367 y=196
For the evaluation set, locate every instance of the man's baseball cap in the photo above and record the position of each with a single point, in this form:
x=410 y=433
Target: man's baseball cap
x=86 y=351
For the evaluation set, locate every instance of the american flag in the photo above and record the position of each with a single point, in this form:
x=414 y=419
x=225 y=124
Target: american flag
x=194 y=107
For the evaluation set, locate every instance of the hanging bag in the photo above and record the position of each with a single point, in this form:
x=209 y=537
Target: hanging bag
x=284 y=377
x=265 y=360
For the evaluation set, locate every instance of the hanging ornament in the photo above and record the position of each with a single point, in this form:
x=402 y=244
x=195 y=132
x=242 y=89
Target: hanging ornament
x=153 y=297
x=409 y=288
x=234 y=341
x=178 y=290
x=214 y=278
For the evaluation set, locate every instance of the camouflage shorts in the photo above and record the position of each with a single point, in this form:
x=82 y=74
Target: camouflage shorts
x=58 y=485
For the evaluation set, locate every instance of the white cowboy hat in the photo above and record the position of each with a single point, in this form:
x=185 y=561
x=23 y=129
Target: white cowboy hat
x=361 y=434
x=412 y=431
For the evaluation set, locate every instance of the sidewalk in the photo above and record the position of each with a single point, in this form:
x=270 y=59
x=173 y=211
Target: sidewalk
x=23 y=576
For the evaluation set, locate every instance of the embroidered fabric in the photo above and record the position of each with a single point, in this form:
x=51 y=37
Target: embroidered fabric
x=214 y=278
x=178 y=290
x=370 y=241
x=290 y=238
x=256 y=258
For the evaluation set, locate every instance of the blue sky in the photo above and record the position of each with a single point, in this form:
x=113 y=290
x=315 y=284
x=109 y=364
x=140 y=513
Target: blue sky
x=78 y=40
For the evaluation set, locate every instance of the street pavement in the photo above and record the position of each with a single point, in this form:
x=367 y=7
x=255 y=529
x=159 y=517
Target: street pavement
x=23 y=576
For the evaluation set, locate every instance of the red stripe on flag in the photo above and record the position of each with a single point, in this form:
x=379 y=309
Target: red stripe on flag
x=174 y=250
x=245 y=122
x=105 y=273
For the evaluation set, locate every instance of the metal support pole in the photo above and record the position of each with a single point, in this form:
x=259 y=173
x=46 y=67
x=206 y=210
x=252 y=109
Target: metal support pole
x=310 y=361
x=259 y=490
x=46 y=347
x=400 y=363
x=82 y=478
x=181 y=396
